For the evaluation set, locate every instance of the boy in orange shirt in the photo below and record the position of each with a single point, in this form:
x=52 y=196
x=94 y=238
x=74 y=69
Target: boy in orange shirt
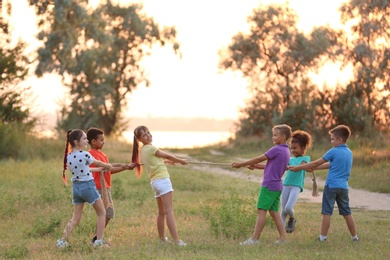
x=102 y=179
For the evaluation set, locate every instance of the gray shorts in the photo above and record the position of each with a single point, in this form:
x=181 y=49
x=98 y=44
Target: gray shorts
x=84 y=191
x=161 y=186
x=110 y=211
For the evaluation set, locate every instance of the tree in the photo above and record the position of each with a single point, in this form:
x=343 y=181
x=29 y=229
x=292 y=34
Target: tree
x=15 y=118
x=98 y=52
x=277 y=59
x=13 y=70
x=368 y=50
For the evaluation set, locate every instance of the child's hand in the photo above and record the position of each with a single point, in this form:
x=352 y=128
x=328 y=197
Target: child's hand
x=184 y=162
x=131 y=166
x=109 y=167
x=293 y=168
x=236 y=165
x=169 y=162
x=251 y=167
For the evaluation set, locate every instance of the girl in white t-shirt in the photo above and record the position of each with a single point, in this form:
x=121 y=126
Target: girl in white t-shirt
x=154 y=161
x=83 y=185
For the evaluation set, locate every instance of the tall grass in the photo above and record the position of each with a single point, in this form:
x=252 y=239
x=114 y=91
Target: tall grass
x=213 y=214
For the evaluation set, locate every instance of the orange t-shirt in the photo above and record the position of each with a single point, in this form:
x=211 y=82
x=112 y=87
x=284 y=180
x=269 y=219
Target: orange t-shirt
x=98 y=155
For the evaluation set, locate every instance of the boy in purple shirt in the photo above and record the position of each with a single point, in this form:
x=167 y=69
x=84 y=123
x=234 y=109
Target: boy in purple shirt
x=277 y=159
x=339 y=161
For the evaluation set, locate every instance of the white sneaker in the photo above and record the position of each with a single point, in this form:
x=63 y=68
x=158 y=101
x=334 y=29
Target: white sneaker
x=248 y=242
x=100 y=243
x=61 y=243
x=181 y=243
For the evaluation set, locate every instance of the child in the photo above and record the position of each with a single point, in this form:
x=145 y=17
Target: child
x=84 y=188
x=277 y=160
x=336 y=184
x=102 y=179
x=294 y=181
x=154 y=160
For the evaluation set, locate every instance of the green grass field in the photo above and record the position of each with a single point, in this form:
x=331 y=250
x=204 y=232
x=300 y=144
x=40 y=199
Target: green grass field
x=213 y=213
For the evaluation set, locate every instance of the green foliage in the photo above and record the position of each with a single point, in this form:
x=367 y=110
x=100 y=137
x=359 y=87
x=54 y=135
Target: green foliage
x=278 y=60
x=98 y=51
x=233 y=216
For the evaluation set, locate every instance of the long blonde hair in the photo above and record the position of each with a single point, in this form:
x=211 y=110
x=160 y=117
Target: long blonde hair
x=135 y=154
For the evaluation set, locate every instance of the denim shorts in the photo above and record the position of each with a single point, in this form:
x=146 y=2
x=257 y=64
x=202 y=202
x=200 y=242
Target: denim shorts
x=161 y=186
x=338 y=195
x=85 y=191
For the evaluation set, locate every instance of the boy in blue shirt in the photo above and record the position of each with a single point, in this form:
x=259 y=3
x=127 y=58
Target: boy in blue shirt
x=336 y=185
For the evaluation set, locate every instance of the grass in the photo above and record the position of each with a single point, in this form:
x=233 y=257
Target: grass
x=213 y=213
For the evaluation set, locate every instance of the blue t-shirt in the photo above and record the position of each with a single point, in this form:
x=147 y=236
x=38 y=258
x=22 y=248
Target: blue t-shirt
x=278 y=158
x=340 y=164
x=296 y=178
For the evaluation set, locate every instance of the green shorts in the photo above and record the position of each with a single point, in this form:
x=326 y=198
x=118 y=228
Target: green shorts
x=268 y=199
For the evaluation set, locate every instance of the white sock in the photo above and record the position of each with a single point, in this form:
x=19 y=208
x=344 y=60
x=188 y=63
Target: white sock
x=322 y=238
x=355 y=237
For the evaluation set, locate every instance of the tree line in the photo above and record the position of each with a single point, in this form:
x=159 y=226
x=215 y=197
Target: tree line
x=98 y=52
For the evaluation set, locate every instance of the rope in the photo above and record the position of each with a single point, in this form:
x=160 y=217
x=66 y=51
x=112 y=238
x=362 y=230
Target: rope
x=211 y=163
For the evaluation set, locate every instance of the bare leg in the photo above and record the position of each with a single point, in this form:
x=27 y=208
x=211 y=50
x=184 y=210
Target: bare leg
x=325 y=224
x=101 y=214
x=279 y=224
x=351 y=224
x=260 y=223
x=167 y=202
x=77 y=213
x=160 y=219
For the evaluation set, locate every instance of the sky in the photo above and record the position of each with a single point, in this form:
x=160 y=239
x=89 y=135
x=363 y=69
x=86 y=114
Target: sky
x=190 y=86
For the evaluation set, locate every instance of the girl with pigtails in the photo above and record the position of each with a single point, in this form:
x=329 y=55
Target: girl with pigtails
x=154 y=161
x=83 y=186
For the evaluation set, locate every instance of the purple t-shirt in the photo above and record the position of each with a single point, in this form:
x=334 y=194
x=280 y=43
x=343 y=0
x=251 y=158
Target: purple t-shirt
x=278 y=158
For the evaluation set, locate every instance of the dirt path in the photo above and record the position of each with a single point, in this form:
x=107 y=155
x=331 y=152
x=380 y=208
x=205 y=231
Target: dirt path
x=358 y=198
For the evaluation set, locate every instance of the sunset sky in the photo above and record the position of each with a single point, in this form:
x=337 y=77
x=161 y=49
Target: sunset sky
x=191 y=86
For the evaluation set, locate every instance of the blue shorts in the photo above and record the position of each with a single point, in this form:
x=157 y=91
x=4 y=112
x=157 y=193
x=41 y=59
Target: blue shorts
x=85 y=191
x=161 y=186
x=338 y=195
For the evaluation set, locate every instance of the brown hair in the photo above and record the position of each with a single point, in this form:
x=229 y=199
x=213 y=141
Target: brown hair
x=302 y=138
x=135 y=154
x=284 y=130
x=341 y=131
x=71 y=137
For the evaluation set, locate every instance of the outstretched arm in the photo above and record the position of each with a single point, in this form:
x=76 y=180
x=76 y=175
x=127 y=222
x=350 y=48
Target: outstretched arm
x=307 y=166
x=119 y=167
x=169 y=158
x=252 y=161
x=102 y=164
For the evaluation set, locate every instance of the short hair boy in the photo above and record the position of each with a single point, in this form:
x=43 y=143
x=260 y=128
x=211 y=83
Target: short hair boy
x=336 y=185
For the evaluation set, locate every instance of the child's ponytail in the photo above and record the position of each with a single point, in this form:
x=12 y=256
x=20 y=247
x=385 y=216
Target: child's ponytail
x=135 y=157
x=65 y=166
